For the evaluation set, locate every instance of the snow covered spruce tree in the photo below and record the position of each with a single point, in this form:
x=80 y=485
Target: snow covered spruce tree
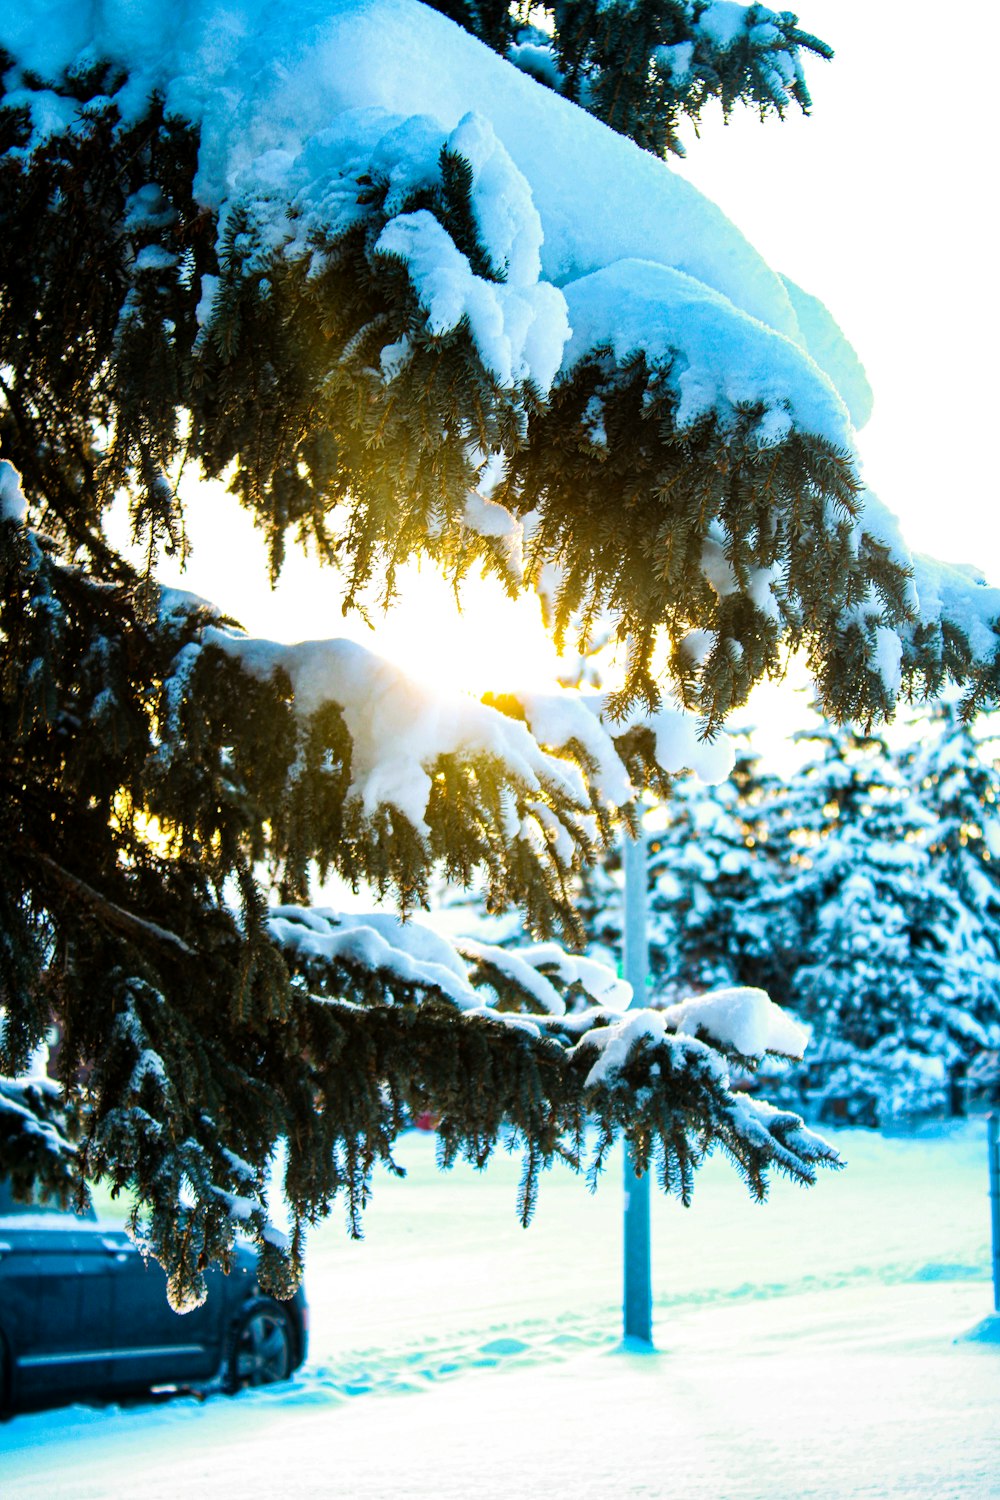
x=712 y=874
x=952 y=770
x=405 y=300
x=890 y=966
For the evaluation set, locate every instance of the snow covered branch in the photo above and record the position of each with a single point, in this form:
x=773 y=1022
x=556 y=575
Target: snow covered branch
x=660 y=1080
x=643 y=66
x=34 y=1145
x=380 y=778
x=398 y=325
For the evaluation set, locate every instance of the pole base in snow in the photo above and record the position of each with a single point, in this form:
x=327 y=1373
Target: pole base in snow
x=986 y=1332
x=631 y=1345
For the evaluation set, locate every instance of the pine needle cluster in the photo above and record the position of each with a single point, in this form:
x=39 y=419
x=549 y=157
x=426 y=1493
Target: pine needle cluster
x=645 y=66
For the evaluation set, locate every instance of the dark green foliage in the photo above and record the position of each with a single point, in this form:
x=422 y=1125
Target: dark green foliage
x=618 y=61
x=325 y=427
x=159 y=783
x=528 y=1086
x=147 y=779
x=285 y=390
x=630 y=518
x=77 y=208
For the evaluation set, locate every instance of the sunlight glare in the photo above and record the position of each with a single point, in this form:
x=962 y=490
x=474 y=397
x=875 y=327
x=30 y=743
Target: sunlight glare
x=494 y=644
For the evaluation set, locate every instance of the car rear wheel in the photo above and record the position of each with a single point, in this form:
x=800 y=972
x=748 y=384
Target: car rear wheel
x=260 y=1349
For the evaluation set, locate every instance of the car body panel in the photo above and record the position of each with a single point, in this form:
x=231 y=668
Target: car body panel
x=55 y=1305
x=151 y=1343
x=84 y=1313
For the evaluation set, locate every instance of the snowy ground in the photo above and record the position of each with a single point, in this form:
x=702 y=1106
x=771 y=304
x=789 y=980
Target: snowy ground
x=806 y=1349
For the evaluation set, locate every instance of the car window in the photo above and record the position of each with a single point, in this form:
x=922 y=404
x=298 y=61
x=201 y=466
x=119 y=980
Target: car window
x=41 y=1203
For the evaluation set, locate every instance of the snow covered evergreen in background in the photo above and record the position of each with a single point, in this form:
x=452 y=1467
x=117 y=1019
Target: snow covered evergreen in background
x=954 y=768
x=710 y=869
x=860 y=892
x=877 y=971
x=406 y=301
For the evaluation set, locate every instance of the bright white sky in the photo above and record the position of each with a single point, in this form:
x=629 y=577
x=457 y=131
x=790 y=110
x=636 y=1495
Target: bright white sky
x=881 y=204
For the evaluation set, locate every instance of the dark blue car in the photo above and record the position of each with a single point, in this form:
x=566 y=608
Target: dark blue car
x=83 y=1313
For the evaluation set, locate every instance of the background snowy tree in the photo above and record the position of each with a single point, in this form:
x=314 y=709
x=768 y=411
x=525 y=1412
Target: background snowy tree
x=711 y=871
x=953 y=767
x=288 y=248
x=871 y=930
x=895 y=970
x=857 y=891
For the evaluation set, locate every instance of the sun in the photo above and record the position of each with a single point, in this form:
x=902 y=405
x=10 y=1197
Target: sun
x=488 y=642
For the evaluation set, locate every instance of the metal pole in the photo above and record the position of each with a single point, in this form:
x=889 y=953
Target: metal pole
x=993 y=1143
x=638 y=1295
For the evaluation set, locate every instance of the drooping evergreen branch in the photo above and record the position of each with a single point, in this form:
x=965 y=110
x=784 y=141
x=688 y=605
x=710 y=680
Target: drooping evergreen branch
x=114 y=915
x=371 y=1051
x=314 y=370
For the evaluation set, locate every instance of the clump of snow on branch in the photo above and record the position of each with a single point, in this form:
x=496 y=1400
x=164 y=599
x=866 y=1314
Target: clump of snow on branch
x=519 y=323
x=720 y=359
x=360 y=87
x=400 y=730
x=940 y=594
x=832 y=353
x=612 y=1046
x=742 y=1019
x=13 y=506
x=408 y=952
x=536 y=979
x=519 y=331
x=678 y=743
x=542 y=971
